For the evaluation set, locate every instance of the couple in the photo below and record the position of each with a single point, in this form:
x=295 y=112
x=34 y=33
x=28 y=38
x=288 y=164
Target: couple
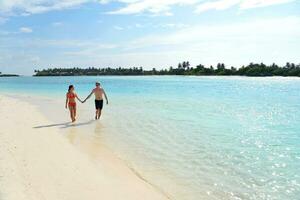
x=98 y=91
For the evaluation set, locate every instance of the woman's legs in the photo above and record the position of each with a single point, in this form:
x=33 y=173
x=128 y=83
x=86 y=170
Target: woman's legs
x=71 y=114
x=74 y=115
x=71 y=108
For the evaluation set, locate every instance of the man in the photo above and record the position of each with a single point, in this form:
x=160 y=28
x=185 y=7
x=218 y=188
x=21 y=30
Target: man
x=98 y=91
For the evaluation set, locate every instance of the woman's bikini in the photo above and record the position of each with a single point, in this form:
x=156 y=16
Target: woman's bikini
x=72 y=96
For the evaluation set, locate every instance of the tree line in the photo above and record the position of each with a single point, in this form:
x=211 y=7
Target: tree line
x=183 y=68
x=7 y=75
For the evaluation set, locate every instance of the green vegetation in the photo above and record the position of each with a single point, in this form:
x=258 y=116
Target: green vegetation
x=184 y=68
x=7 y=75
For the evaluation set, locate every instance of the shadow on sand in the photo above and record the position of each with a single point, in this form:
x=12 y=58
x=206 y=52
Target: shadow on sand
x=65 y=125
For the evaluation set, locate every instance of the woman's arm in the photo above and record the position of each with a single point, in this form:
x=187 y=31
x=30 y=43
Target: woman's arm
x=67 y=99
x=78 y=98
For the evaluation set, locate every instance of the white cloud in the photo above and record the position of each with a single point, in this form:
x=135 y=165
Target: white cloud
x=234 y=44
x=151 y=6
x=26 y=7
x=172 y=25
x=35 y=43
x=119 y=28
x=217 y=5
x=31 y=54
x=25 y=30
x=91 y=50
x=150 y=25
x=57 y=24
x=266 y=29
x=243 y=4
x=158 y=7
x=138 y=25
x=261 y=3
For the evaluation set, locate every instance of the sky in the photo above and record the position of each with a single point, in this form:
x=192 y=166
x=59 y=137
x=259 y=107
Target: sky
x=37 y=34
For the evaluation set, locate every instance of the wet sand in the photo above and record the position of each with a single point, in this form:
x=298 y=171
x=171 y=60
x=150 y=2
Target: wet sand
x=38 y=162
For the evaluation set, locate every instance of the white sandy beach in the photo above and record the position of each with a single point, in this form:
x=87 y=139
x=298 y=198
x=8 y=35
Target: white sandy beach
x=42 y=164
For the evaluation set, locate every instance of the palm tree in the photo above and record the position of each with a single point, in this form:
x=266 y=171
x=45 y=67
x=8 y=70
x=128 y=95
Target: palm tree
x=179 y=66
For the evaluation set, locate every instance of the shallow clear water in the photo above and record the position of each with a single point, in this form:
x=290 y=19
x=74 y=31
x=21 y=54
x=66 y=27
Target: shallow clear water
x=197 y=137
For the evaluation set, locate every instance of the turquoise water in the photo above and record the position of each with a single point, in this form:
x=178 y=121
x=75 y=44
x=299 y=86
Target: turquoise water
x=197 y=137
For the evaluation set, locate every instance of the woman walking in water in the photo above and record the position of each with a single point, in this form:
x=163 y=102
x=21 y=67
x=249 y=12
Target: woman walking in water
x=71 y=102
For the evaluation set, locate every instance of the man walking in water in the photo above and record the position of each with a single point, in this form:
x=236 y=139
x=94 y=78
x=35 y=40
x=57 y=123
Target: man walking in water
x=99 y=92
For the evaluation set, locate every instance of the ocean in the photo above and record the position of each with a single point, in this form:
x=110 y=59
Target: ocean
x=190 y=137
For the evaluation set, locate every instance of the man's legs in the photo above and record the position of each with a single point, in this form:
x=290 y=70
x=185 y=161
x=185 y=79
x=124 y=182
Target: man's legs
x=99 y=105
x=96 y=106
x=96 y=116
x=99 y=113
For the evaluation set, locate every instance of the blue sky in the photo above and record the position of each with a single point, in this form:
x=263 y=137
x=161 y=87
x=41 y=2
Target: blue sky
x=37 y=34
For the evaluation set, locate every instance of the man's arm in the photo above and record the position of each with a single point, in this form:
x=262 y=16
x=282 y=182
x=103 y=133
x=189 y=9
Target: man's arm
x=88 y=96
x=105 y=96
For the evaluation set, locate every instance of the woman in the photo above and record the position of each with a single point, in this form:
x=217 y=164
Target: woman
x=71 y=103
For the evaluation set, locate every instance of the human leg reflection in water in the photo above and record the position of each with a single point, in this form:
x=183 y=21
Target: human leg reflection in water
x=72 y=134
x=98 y=129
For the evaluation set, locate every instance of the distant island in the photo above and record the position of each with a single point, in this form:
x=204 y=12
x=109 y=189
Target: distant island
x=184 y=68
x=8 y=75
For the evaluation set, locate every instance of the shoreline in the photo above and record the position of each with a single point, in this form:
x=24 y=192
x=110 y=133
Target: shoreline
x=34 y=159
x=163 y=75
